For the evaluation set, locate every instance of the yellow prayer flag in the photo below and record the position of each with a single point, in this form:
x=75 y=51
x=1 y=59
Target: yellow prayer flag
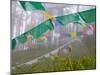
x=49 y=16
x=73 y=34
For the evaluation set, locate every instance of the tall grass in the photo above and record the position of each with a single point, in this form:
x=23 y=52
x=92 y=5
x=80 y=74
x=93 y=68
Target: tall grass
x=58 y=63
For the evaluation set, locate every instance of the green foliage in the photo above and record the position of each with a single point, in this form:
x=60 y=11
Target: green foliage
x=57 y=63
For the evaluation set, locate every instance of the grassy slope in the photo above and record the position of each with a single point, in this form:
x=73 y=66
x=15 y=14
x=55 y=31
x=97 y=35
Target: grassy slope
x=59 y=64
x=83 y=58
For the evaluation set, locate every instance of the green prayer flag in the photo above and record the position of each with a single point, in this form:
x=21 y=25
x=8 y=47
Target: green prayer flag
x=68 y=18
x=79 y=33
x=89 y=16
x=22 y=38
x=29 y=5
x=36 y=32
x=39 y=30
x=23 y=4
x=37 y=5
x=13 y=44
